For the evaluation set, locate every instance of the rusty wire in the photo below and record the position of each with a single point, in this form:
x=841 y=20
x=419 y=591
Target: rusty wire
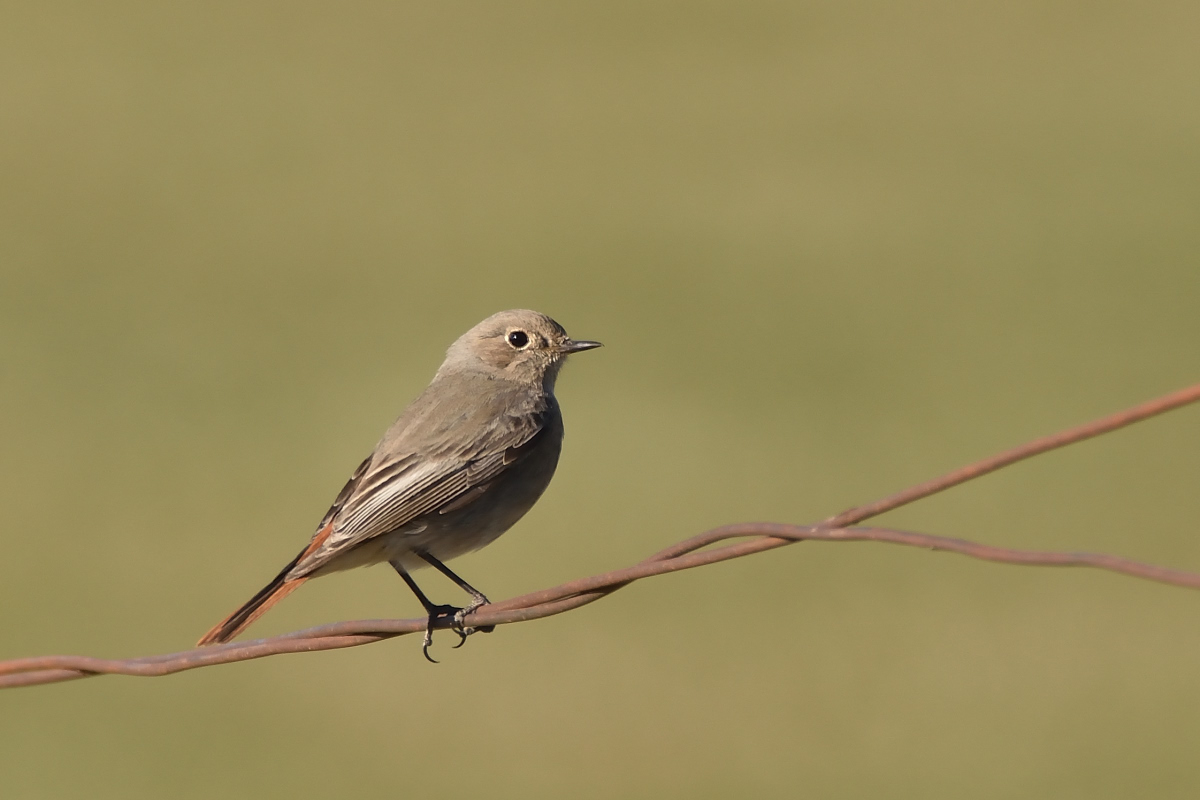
x=756 y=537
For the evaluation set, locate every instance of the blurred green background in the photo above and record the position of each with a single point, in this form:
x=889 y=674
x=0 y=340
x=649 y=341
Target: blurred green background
x=833 y=249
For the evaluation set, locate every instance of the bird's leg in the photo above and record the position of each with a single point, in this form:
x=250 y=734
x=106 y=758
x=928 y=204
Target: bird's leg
x=478 y=599
x=434 y=611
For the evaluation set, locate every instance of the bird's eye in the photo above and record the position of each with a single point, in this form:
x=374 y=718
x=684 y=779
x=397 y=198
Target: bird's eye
x=518 y=339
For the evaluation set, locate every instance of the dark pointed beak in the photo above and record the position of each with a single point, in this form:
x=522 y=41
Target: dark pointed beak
x=578 y=346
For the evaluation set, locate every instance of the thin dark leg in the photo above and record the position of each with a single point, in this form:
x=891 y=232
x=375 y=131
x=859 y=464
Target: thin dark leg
x=478 y=598
x=476 y=595
x=433 y=610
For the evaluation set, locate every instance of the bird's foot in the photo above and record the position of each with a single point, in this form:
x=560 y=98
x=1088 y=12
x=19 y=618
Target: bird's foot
x=443 y=616
x=478 y=601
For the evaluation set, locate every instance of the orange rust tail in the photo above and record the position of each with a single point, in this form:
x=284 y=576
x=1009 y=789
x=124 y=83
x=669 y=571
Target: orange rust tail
x=258 y=605
x=268 y=596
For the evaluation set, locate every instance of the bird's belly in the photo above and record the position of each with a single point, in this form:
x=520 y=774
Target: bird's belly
x=481 y=521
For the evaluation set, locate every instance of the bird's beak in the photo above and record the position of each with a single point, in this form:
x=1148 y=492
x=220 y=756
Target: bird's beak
x=578 y=346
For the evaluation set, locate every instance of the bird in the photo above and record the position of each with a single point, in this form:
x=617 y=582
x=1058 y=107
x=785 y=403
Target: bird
x=464 y=461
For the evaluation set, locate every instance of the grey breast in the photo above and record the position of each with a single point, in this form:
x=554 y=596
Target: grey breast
x=489 y=509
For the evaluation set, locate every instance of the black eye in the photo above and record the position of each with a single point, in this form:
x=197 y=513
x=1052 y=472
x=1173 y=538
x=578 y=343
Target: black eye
x=518 y=339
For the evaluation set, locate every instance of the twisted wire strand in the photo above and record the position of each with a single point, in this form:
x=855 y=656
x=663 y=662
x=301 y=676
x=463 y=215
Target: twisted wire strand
x=742 y=539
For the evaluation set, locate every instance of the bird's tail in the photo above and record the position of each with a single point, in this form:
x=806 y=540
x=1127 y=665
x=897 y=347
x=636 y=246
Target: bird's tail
x=256 y=606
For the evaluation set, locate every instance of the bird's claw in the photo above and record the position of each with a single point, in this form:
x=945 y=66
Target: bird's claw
x=456 y=616
x=463 y=630
x=437 y=614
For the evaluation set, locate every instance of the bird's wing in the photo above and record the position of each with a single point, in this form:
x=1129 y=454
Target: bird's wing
x=392 y=489
x=347 y=491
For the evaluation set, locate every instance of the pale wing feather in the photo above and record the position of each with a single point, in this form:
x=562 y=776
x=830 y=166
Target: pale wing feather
x=415 y=493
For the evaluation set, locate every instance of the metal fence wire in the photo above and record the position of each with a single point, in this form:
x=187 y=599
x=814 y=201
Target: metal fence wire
x=740 y=540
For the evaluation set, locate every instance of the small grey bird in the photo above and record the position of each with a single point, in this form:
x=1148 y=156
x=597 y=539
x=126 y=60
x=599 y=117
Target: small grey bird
x=460 y=466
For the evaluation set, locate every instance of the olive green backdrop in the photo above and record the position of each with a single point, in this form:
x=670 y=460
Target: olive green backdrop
x=833 y=249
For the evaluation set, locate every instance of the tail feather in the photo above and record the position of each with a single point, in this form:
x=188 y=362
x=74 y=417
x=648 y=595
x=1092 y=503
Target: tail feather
x=256 y=606
x=270 y=594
